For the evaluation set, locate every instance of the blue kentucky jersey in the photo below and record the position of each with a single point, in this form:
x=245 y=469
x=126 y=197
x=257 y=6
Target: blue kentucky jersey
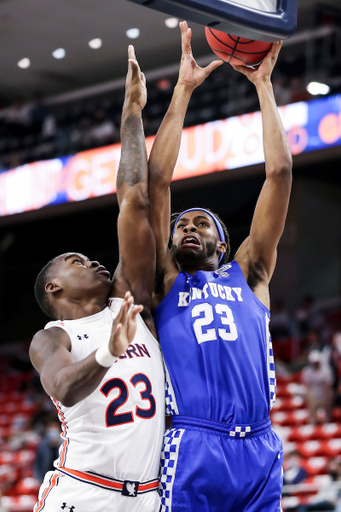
x=215 y=340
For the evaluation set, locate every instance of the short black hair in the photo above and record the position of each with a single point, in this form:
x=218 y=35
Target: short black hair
x=40 y=292
x=226 y=254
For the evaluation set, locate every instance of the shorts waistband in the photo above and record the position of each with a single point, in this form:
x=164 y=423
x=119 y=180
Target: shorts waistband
x=126 y=487
x=236 y=431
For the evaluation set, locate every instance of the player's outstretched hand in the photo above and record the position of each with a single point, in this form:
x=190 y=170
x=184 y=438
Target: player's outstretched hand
x=135 y=90
x=190 y=73
x=124 y=326
x=264 y=70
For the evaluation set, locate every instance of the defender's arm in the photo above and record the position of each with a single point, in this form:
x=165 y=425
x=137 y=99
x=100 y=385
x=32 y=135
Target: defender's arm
x=136 y=240
x=70 y=382
x=259 y=251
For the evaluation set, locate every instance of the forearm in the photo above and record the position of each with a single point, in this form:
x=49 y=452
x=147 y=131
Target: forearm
x=132 y=169
x=75 y=382
x=167 y=142
x=277 y=152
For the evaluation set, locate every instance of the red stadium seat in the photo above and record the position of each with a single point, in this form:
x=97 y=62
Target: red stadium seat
x=27 y=486
x=288 y=404
x=310 y=448
x=303 y=433
x=328 y=430
x=298 y=417
x=19 y=503
x=315 y=465
x=336 y=414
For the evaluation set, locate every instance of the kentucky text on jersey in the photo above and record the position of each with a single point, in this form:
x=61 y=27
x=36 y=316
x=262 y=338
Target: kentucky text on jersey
x=210 y=289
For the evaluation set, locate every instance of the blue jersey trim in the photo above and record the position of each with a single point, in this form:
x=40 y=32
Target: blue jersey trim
x=235 y=431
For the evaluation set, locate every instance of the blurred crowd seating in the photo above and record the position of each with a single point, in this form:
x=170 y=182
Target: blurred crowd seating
x=41 y=129
x=25 y=413
x=312 y=452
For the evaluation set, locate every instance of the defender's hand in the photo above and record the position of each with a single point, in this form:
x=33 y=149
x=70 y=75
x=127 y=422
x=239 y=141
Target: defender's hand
x=190 y=73
x=135 y=90
x=124 y=326
x=263 y=72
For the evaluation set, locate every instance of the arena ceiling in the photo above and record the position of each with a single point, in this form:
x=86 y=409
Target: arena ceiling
x=33 y=29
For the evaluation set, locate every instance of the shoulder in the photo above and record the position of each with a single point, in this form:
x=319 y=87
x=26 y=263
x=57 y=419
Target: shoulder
x=47 y=341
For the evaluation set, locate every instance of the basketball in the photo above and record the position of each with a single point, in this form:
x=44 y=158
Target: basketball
x=237 y=50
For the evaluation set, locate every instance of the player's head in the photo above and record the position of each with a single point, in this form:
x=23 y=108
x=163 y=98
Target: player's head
x=70 y=278
x=198 y=234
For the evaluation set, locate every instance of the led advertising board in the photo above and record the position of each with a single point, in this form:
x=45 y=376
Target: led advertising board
x=207 y=148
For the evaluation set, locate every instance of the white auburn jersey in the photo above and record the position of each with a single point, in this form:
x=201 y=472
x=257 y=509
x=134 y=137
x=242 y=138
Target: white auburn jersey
x=117 y=430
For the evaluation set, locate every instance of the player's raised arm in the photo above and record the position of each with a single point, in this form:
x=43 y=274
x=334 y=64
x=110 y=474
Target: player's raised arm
x=70 y=382
x=258 y=253
x=166 y=145
x=136 y=240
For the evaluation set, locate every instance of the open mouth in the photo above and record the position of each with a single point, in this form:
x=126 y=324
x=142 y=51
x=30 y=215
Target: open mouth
x=190 y=241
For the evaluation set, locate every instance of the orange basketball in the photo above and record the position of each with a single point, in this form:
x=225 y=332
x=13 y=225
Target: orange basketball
x=237 y=50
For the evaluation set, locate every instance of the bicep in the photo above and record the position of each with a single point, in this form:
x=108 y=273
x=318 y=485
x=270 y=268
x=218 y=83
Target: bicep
x=49 y=354
x=269 y=220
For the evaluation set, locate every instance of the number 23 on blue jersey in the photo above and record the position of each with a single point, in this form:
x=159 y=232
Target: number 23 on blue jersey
x=205 y=314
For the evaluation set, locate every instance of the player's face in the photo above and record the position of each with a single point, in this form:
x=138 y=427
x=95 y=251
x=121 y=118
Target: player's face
x=77 y=274
x=195 y=237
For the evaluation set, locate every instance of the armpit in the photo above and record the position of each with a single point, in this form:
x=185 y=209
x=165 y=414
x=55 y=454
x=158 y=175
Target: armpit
x=257 y=274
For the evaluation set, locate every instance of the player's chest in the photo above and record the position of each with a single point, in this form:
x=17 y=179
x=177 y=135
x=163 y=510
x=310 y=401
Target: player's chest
x=218 y=310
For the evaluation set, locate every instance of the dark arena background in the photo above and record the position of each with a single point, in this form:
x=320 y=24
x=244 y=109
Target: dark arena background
x=63 y=67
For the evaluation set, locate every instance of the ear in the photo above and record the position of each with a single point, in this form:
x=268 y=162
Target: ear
x=221 y=247
x=53 y=286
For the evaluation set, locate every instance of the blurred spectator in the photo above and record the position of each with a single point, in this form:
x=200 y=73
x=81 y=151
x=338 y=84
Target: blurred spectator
x=2 y=508
x=17 y=117
x=280 y=325
x=335 y=361
x=318 y=380
x=307 y=316
x=49 y=127
x=104 y=132
x=328 y=496
x=293 y=472
x=47 y=451
x=38 y=113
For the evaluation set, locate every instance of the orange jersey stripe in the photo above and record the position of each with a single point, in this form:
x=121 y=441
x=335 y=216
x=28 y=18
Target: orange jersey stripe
x=54 y=481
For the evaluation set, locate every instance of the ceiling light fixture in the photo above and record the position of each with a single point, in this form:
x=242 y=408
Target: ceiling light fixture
x=24 y=63
x=316 y=88
x=95 y=43
x=59 y=53
x=171 y=22
x=133 y=33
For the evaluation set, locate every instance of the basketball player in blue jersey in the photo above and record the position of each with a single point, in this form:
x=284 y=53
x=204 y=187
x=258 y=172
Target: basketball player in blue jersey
x=212 y=318
x=109 y=394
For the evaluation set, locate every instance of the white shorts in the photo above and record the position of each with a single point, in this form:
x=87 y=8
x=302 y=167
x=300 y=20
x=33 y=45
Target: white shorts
x=61 y=492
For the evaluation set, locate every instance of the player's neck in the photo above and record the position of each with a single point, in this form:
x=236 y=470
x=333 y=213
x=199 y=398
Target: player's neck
x=192 y=268
x=73 y=310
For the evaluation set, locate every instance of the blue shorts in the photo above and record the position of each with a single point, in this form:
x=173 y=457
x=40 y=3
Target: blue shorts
x=208 y=466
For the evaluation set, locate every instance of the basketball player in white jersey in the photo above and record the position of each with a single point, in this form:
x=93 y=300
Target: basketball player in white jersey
x=109 y=393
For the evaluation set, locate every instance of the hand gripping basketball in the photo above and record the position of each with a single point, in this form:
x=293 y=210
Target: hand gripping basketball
x=264 y=71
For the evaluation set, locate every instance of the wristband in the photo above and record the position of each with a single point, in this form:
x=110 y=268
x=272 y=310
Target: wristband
x=104 y=357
